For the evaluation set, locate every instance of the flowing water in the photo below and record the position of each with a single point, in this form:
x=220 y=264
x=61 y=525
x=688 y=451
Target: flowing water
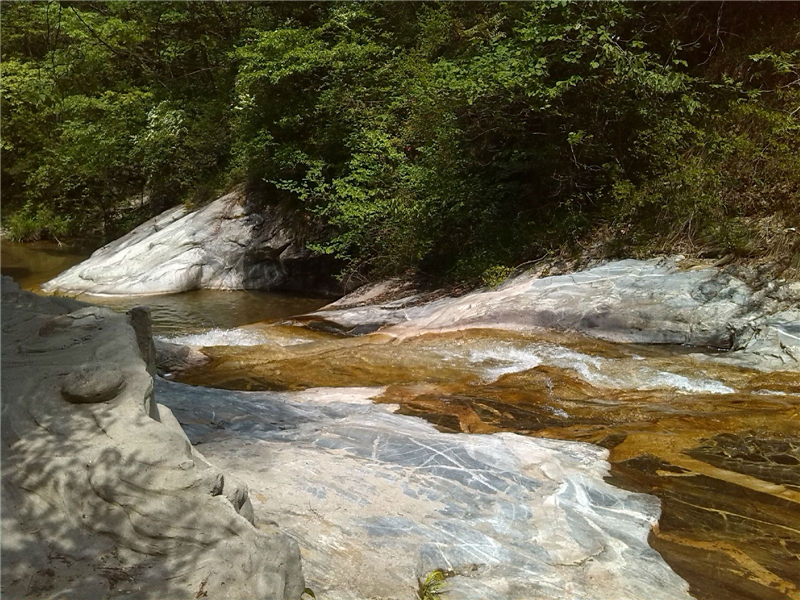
x=718 y=444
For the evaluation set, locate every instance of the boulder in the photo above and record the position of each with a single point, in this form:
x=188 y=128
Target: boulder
x=658 y=301
x=103 y=495
x=236 y=242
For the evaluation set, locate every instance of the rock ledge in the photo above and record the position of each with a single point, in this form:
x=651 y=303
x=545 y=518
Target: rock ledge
x=103 y=495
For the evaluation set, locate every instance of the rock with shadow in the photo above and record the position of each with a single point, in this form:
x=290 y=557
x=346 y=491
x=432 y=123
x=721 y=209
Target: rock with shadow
x=239 y=241
x=103 y=496
x=377 y=500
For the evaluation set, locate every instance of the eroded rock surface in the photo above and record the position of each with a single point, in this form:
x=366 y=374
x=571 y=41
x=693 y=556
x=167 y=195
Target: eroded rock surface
x=377 y=500
x=235 y=242
x=103 y=496
x=631 y=301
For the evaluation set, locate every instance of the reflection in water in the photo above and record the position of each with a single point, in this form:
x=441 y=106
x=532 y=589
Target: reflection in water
x=173 y=314
x=720 y=445
x=34 y=263
x=201 y=310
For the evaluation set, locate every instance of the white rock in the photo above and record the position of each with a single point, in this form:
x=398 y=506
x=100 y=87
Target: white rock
x=103 y=496
x=378 y=500
x=629 y=301
x=229 y=244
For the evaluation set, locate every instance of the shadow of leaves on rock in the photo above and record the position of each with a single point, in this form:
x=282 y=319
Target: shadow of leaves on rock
x=109 y=499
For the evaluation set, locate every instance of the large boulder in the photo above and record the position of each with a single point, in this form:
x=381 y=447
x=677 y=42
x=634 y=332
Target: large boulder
x=236 y=242
x=659 y=301
x=103 y=495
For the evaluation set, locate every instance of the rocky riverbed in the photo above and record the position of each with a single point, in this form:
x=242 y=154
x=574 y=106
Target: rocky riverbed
x=377 y=500
x=659 y=301
x=713 y=432
x=627 y=431
x=104 y=496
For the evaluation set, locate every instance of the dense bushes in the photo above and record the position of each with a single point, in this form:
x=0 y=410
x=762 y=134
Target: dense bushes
x=453 y=138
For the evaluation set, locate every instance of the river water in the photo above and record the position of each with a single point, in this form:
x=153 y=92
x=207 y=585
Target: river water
x=174 y=315
x=718 y=444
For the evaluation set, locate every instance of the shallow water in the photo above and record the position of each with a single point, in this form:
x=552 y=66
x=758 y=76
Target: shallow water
x=34 y=263
x=199 y=311
x=718 y=444
x=193 y=312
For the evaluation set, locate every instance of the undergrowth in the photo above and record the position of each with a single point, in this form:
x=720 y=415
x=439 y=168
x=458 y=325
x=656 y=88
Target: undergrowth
x=457 y=140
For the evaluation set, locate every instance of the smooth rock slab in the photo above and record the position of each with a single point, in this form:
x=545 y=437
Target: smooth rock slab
x=232 y=243
x=628 y=301
x=377 y=500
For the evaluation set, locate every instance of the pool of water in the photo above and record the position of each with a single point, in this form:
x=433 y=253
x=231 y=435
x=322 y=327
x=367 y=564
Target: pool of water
x=34 y=263
x=202 y=310
x=186 y=313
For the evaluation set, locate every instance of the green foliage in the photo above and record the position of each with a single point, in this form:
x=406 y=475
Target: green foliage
x=457 y=139
x=495 y=275
x=432 y=586
x=34 y=223
x=107 y=104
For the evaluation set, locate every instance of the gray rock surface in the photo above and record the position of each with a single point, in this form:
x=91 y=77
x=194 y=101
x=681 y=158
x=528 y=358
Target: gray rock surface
x=236 y=242
x=172 y=358
x=90 y=384
x=377 y=500
x=141 y=321
x=654 y=301
x=103 y=496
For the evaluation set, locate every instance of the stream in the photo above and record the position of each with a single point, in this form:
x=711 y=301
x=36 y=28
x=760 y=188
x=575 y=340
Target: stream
x=198 y=311
x=718 y=444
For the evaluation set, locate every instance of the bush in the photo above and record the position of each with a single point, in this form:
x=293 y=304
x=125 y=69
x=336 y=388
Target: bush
x=455 y=139
x=31 y=224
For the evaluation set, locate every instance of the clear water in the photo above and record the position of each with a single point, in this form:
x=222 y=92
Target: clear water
x=718 y=444
x=186 y=313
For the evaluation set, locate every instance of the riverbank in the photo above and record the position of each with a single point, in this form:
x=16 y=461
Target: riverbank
x=94 y=458
x=713 y=433
x=103 y=495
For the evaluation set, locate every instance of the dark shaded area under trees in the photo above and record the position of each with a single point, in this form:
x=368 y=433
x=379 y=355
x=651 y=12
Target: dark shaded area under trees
x=454 y=139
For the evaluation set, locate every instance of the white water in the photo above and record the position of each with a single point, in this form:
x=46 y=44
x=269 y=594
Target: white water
x=503 y=358
x=220 y=337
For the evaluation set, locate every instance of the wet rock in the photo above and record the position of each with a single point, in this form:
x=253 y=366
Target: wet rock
x=103 y=496
x=172 y=358
x=726 y=466
x=630 y=301
x=236 y=242
x=378 y=500
x=772 y=459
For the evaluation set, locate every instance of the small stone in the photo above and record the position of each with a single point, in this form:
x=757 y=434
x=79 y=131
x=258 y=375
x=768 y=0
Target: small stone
x=92 y=384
